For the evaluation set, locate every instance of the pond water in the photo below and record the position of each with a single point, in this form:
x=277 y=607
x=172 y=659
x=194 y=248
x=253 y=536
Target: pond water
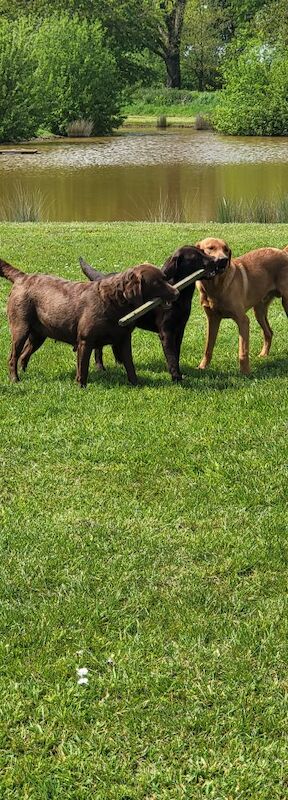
x=176 y=174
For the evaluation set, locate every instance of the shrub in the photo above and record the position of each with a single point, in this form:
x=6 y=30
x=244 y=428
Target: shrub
x=79 y=74
x=19 y=111
x=254 y=101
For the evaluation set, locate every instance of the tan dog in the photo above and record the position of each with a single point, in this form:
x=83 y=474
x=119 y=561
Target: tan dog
x=251 y=281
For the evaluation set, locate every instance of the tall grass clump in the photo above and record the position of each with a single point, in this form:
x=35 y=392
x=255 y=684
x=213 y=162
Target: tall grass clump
x=164 y=211
x=202 y=123
x=255 y=210
x=23 y=205
x=80 y=127
x=161 y=121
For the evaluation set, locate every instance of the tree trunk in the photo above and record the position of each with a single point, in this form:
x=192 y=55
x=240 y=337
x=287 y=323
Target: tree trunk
x=172 y=62
x=170 y=37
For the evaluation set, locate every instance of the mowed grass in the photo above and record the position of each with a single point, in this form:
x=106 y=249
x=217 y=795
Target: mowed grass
x=180 y=108
x=143 y=536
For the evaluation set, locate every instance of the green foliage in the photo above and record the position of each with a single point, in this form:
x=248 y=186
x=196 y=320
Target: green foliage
x=201 y=45
x=79 y=74
x=254 y=101
x=19 y=111
x=157 y=100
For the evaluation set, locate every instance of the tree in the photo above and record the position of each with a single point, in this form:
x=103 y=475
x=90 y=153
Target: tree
x=130 y=26
x=19 y=111
x=254 y=100
x=202 y=44
x=169 y=39
x=238 y=14
x=76 y=74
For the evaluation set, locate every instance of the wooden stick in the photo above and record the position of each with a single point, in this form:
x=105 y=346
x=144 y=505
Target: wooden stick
x=139 y=312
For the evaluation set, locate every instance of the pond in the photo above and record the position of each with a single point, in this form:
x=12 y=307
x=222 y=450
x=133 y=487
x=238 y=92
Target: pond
x=176 y=174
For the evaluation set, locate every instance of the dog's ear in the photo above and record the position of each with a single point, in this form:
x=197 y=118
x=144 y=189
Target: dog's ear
x=198 y=244
x=133 y=287
x=170 y=267
x=229 y=257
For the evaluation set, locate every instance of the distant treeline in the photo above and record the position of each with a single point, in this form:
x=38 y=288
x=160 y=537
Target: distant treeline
x=82 y=61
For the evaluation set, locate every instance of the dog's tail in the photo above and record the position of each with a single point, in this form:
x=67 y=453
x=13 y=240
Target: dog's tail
x=9 y=272
x=90 y=272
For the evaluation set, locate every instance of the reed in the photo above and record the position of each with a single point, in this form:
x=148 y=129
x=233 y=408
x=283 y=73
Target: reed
x=81 y=128
x=164 y=211
x=23 y=205
x=161 y=121
x=255 y=210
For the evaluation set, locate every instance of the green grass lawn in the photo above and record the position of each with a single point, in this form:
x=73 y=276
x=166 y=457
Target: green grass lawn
x=143 y=536
x=146 y=106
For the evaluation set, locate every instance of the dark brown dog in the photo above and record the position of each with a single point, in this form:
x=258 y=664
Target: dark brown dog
x=251 y=281
x=169 y=323
x=85 y=315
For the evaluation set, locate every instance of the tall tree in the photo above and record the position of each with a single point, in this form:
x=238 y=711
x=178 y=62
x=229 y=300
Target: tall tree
x=131 y=26
x=202 y=44
x=170 y=27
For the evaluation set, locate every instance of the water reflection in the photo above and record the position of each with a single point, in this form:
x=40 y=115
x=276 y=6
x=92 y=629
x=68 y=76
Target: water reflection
x=148 y=175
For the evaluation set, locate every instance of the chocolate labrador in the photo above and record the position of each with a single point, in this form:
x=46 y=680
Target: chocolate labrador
x=251 y=281
x=85 y=315
x=169 y=323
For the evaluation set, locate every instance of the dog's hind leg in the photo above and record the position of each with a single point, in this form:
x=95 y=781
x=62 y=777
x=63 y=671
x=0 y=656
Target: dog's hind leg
x=117 y=351
x=34 y=342
x=285 y=304
x=243 y=326
x=98 y=352
x=19 y=338
x=260 y=311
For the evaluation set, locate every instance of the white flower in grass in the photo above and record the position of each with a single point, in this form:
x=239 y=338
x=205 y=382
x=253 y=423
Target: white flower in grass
x=82 y=681
x=82 y=673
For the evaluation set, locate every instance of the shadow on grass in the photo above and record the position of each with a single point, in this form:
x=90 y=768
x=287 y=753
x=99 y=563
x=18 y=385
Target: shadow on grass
x=193 y=378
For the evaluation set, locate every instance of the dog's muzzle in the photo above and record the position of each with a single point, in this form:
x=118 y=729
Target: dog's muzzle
x=168 y=303
x=219 y=266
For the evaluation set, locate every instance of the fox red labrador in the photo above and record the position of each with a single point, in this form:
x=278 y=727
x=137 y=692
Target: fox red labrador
x=251 y=281
x=84 y=315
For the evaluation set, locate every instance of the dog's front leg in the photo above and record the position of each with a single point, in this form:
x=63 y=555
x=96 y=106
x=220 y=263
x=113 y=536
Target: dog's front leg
x=243 y=325
x=213 y=322
x=125 y=354
x=84 y=350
